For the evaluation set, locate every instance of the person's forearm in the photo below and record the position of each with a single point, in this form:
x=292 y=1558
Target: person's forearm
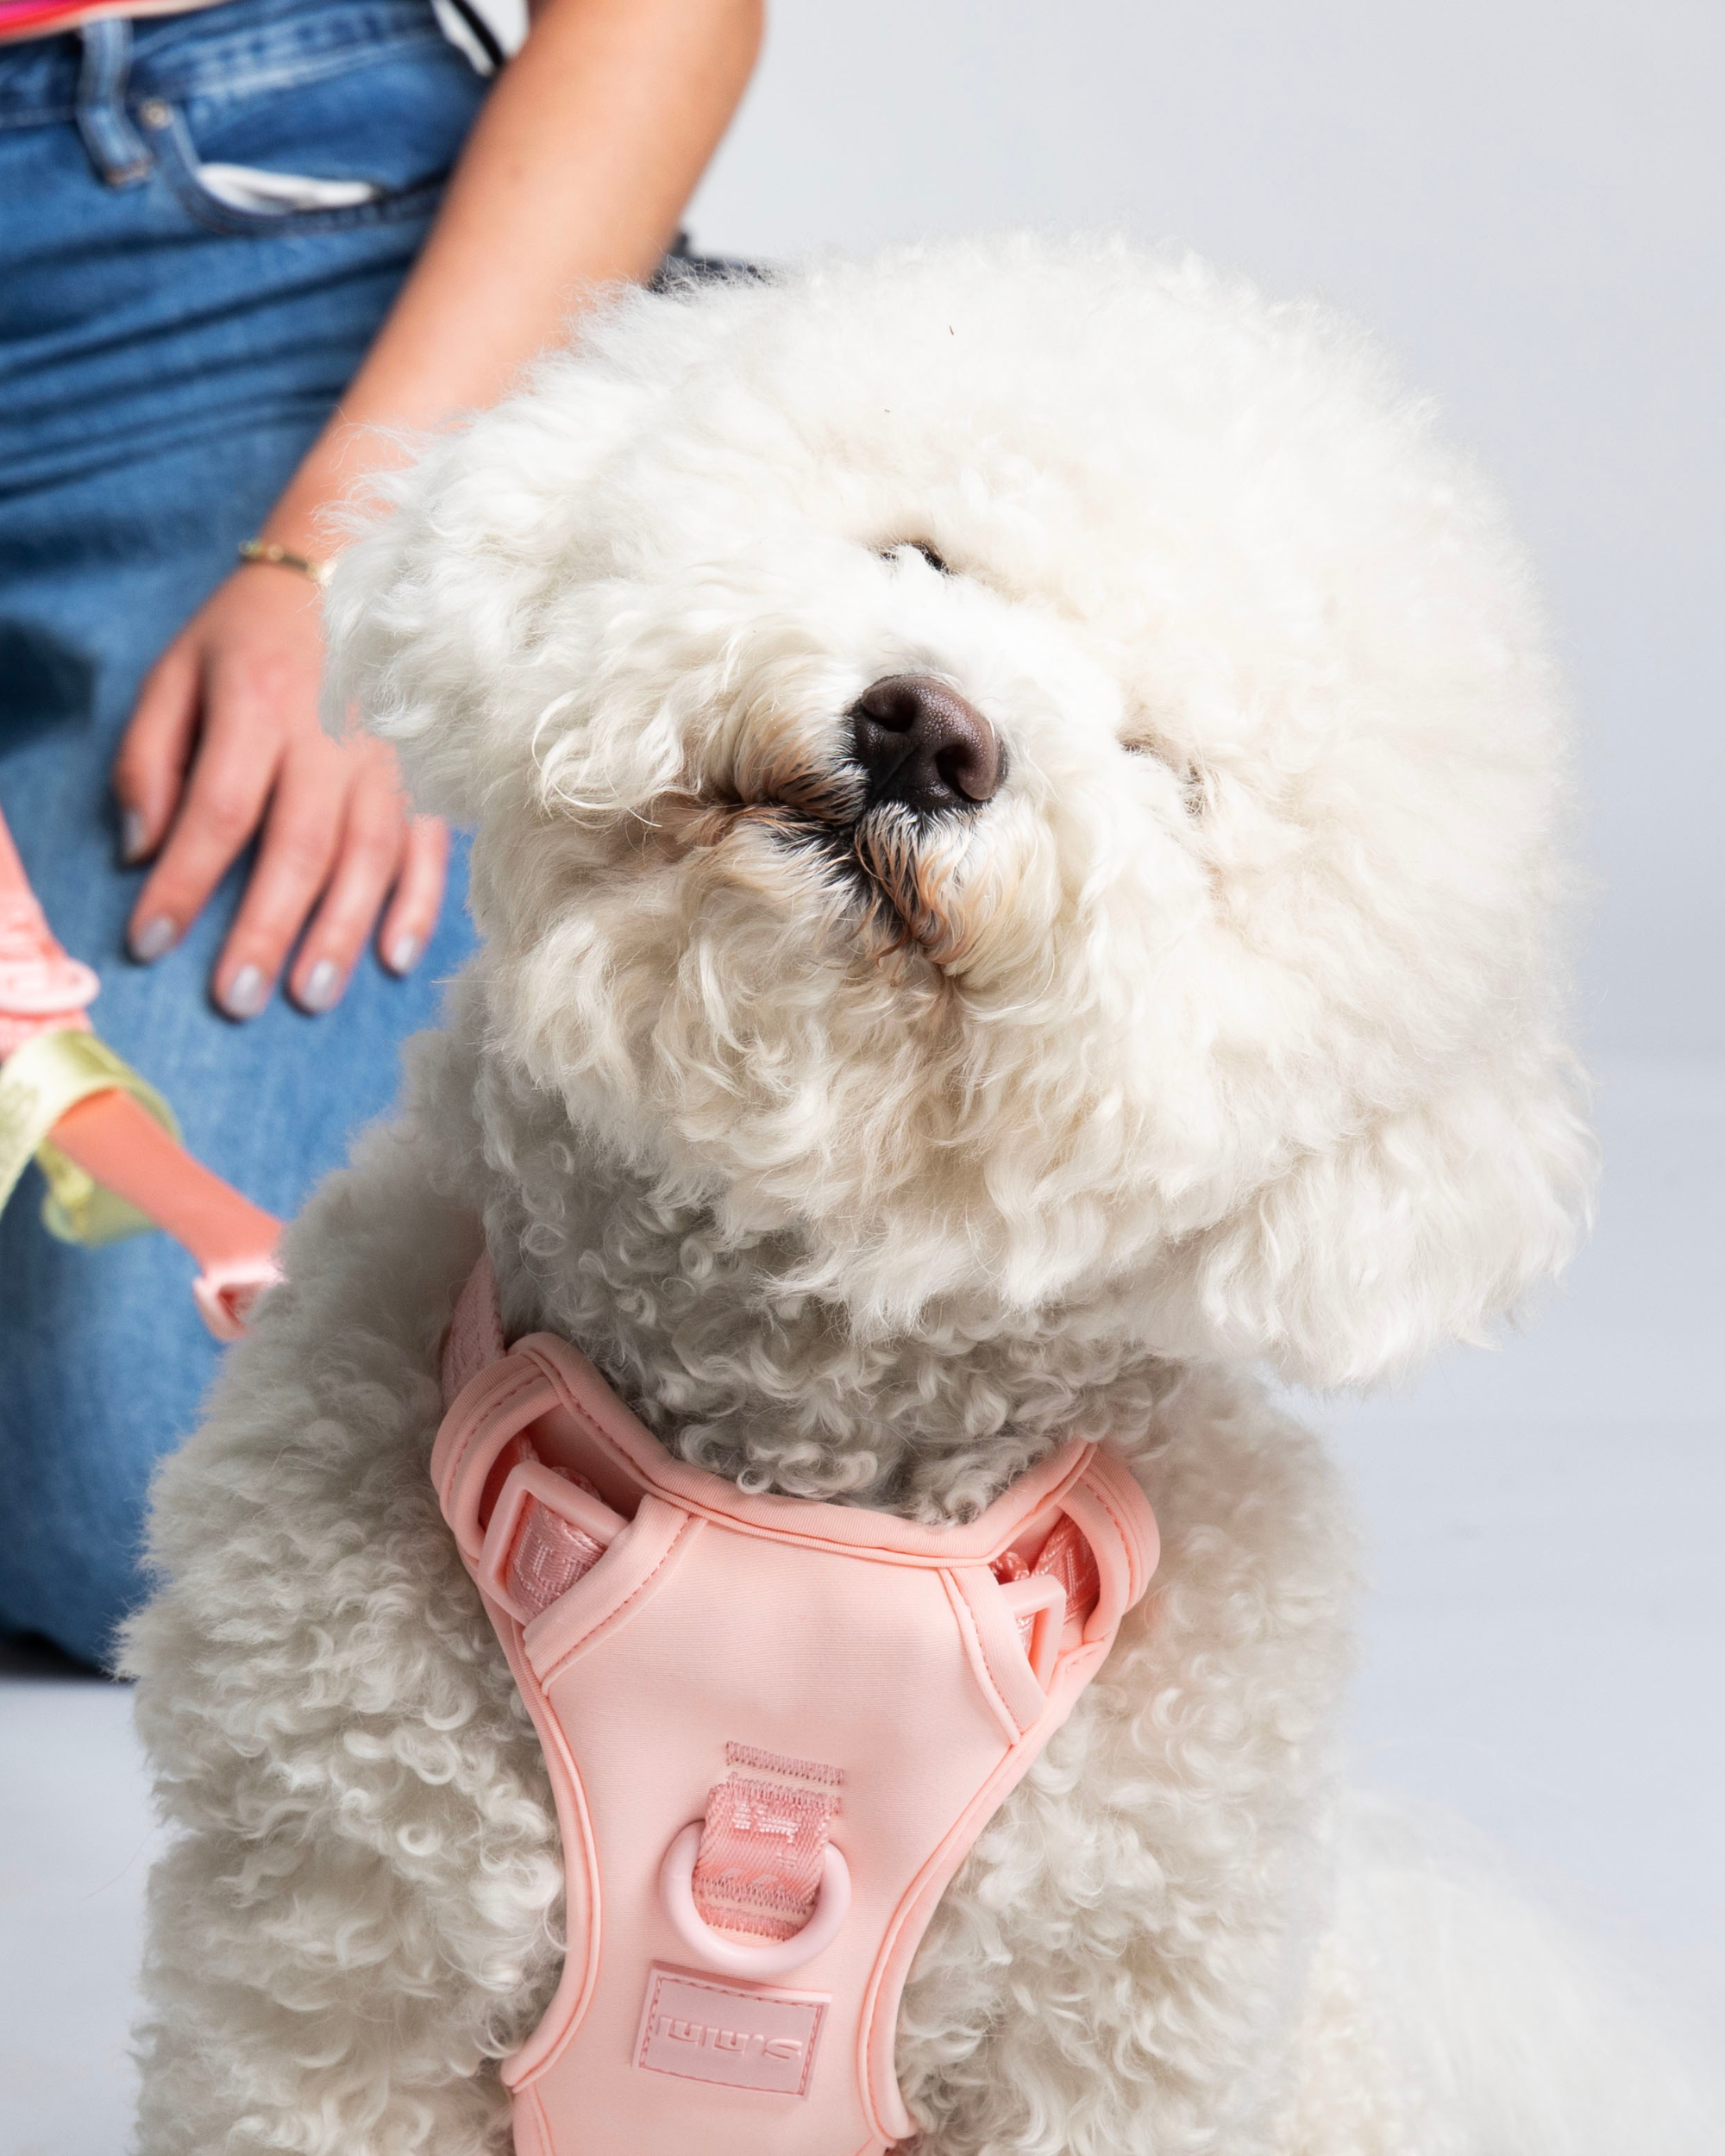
x=576 y=173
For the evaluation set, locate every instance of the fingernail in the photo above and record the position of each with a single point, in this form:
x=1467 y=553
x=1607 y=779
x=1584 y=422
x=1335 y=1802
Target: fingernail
x=322 y=984
x=134 y=836
x=153 y=939
x=243 y=997
x=404 y=954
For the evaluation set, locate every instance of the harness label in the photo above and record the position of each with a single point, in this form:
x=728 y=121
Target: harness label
x=739 y=2035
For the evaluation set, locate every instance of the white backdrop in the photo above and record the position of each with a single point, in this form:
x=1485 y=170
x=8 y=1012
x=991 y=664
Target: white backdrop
x=1522 y=197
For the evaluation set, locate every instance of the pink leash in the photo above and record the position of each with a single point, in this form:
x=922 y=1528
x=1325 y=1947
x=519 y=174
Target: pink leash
x=99 y=1131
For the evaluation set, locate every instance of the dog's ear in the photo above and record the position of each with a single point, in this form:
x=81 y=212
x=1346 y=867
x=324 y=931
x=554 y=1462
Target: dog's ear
x=1416 y=1231
x=432 y=607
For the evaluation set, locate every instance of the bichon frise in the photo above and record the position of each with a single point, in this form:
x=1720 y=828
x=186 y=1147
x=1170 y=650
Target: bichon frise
x=1015 y=790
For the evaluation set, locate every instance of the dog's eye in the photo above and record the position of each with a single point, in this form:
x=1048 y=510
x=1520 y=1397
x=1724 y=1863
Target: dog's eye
x=916 y=546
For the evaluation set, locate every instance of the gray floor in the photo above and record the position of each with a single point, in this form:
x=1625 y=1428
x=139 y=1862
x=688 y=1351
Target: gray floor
x=1543 y=1643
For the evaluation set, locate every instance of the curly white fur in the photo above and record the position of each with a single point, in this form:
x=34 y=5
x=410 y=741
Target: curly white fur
x=871 y=1157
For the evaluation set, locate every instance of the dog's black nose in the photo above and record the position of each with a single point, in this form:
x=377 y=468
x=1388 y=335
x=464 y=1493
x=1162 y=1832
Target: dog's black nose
x=921 y=743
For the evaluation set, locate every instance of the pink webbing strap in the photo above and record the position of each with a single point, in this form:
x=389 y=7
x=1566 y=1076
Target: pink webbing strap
x=763 y=1844
x=548 y=1551
x=474 y=1339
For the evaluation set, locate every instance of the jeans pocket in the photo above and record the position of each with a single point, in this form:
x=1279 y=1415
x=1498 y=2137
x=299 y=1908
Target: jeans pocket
x=373 y=144
x=259 y=193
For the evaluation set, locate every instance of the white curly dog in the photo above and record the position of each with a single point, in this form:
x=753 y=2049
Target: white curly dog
x=1016 y=790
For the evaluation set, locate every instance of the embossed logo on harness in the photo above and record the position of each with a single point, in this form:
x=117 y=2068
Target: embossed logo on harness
x=737 y=2035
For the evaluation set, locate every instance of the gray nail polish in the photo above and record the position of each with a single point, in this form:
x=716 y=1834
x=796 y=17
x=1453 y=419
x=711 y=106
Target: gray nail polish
x=404 y=954
x=245 y=994
x=153 y=939
x=134 y=833
x=322 y=984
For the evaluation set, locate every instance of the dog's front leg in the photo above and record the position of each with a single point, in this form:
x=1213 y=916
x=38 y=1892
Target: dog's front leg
x=360 y=1907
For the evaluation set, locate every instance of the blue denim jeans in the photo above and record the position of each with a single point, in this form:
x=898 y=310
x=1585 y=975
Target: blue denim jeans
x=164 y=361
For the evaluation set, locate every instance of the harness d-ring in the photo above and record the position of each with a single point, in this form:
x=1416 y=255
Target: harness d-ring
x=776 y=1957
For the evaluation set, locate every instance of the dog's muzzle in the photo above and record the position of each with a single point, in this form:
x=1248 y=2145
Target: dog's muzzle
x=897 y=820
x=919 y=744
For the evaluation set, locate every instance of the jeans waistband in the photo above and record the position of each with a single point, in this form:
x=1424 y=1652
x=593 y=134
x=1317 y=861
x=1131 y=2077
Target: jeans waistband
x=235 y=49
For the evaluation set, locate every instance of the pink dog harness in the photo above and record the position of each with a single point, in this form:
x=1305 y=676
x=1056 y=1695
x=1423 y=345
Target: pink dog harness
x=774 y=1727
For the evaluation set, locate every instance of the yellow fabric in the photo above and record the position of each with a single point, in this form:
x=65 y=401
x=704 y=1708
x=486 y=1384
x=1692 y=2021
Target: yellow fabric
x=38 y=1083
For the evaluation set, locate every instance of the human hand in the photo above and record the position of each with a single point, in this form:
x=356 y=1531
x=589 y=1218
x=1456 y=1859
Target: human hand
x=225 y=745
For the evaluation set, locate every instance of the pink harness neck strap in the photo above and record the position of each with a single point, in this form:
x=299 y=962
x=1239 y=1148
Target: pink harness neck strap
x=774 y=1727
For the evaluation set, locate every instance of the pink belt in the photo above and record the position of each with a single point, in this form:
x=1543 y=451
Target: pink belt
x=773 y=1729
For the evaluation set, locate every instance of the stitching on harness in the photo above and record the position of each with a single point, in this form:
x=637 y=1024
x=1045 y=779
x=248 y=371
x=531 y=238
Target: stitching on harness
x=1128 y=1541
x=738 y=1755
x=517 y=1386
x=1071 y=1480
x=594 y=1426
x=818 y=2003
x=486 y=1411
x=969 y=1617
x=612 y=1616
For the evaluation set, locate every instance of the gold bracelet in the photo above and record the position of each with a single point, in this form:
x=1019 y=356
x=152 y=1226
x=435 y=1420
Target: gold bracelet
x=277 y=557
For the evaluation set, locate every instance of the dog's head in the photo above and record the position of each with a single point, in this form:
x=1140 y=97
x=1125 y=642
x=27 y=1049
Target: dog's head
x=1026 y=771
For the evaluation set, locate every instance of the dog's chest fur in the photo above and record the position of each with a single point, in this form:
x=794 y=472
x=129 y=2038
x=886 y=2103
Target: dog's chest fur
x=1157 y=1844
x=1119 y=1964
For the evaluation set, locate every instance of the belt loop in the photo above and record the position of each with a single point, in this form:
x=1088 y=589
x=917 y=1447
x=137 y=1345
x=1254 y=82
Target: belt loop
x=113 y=143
